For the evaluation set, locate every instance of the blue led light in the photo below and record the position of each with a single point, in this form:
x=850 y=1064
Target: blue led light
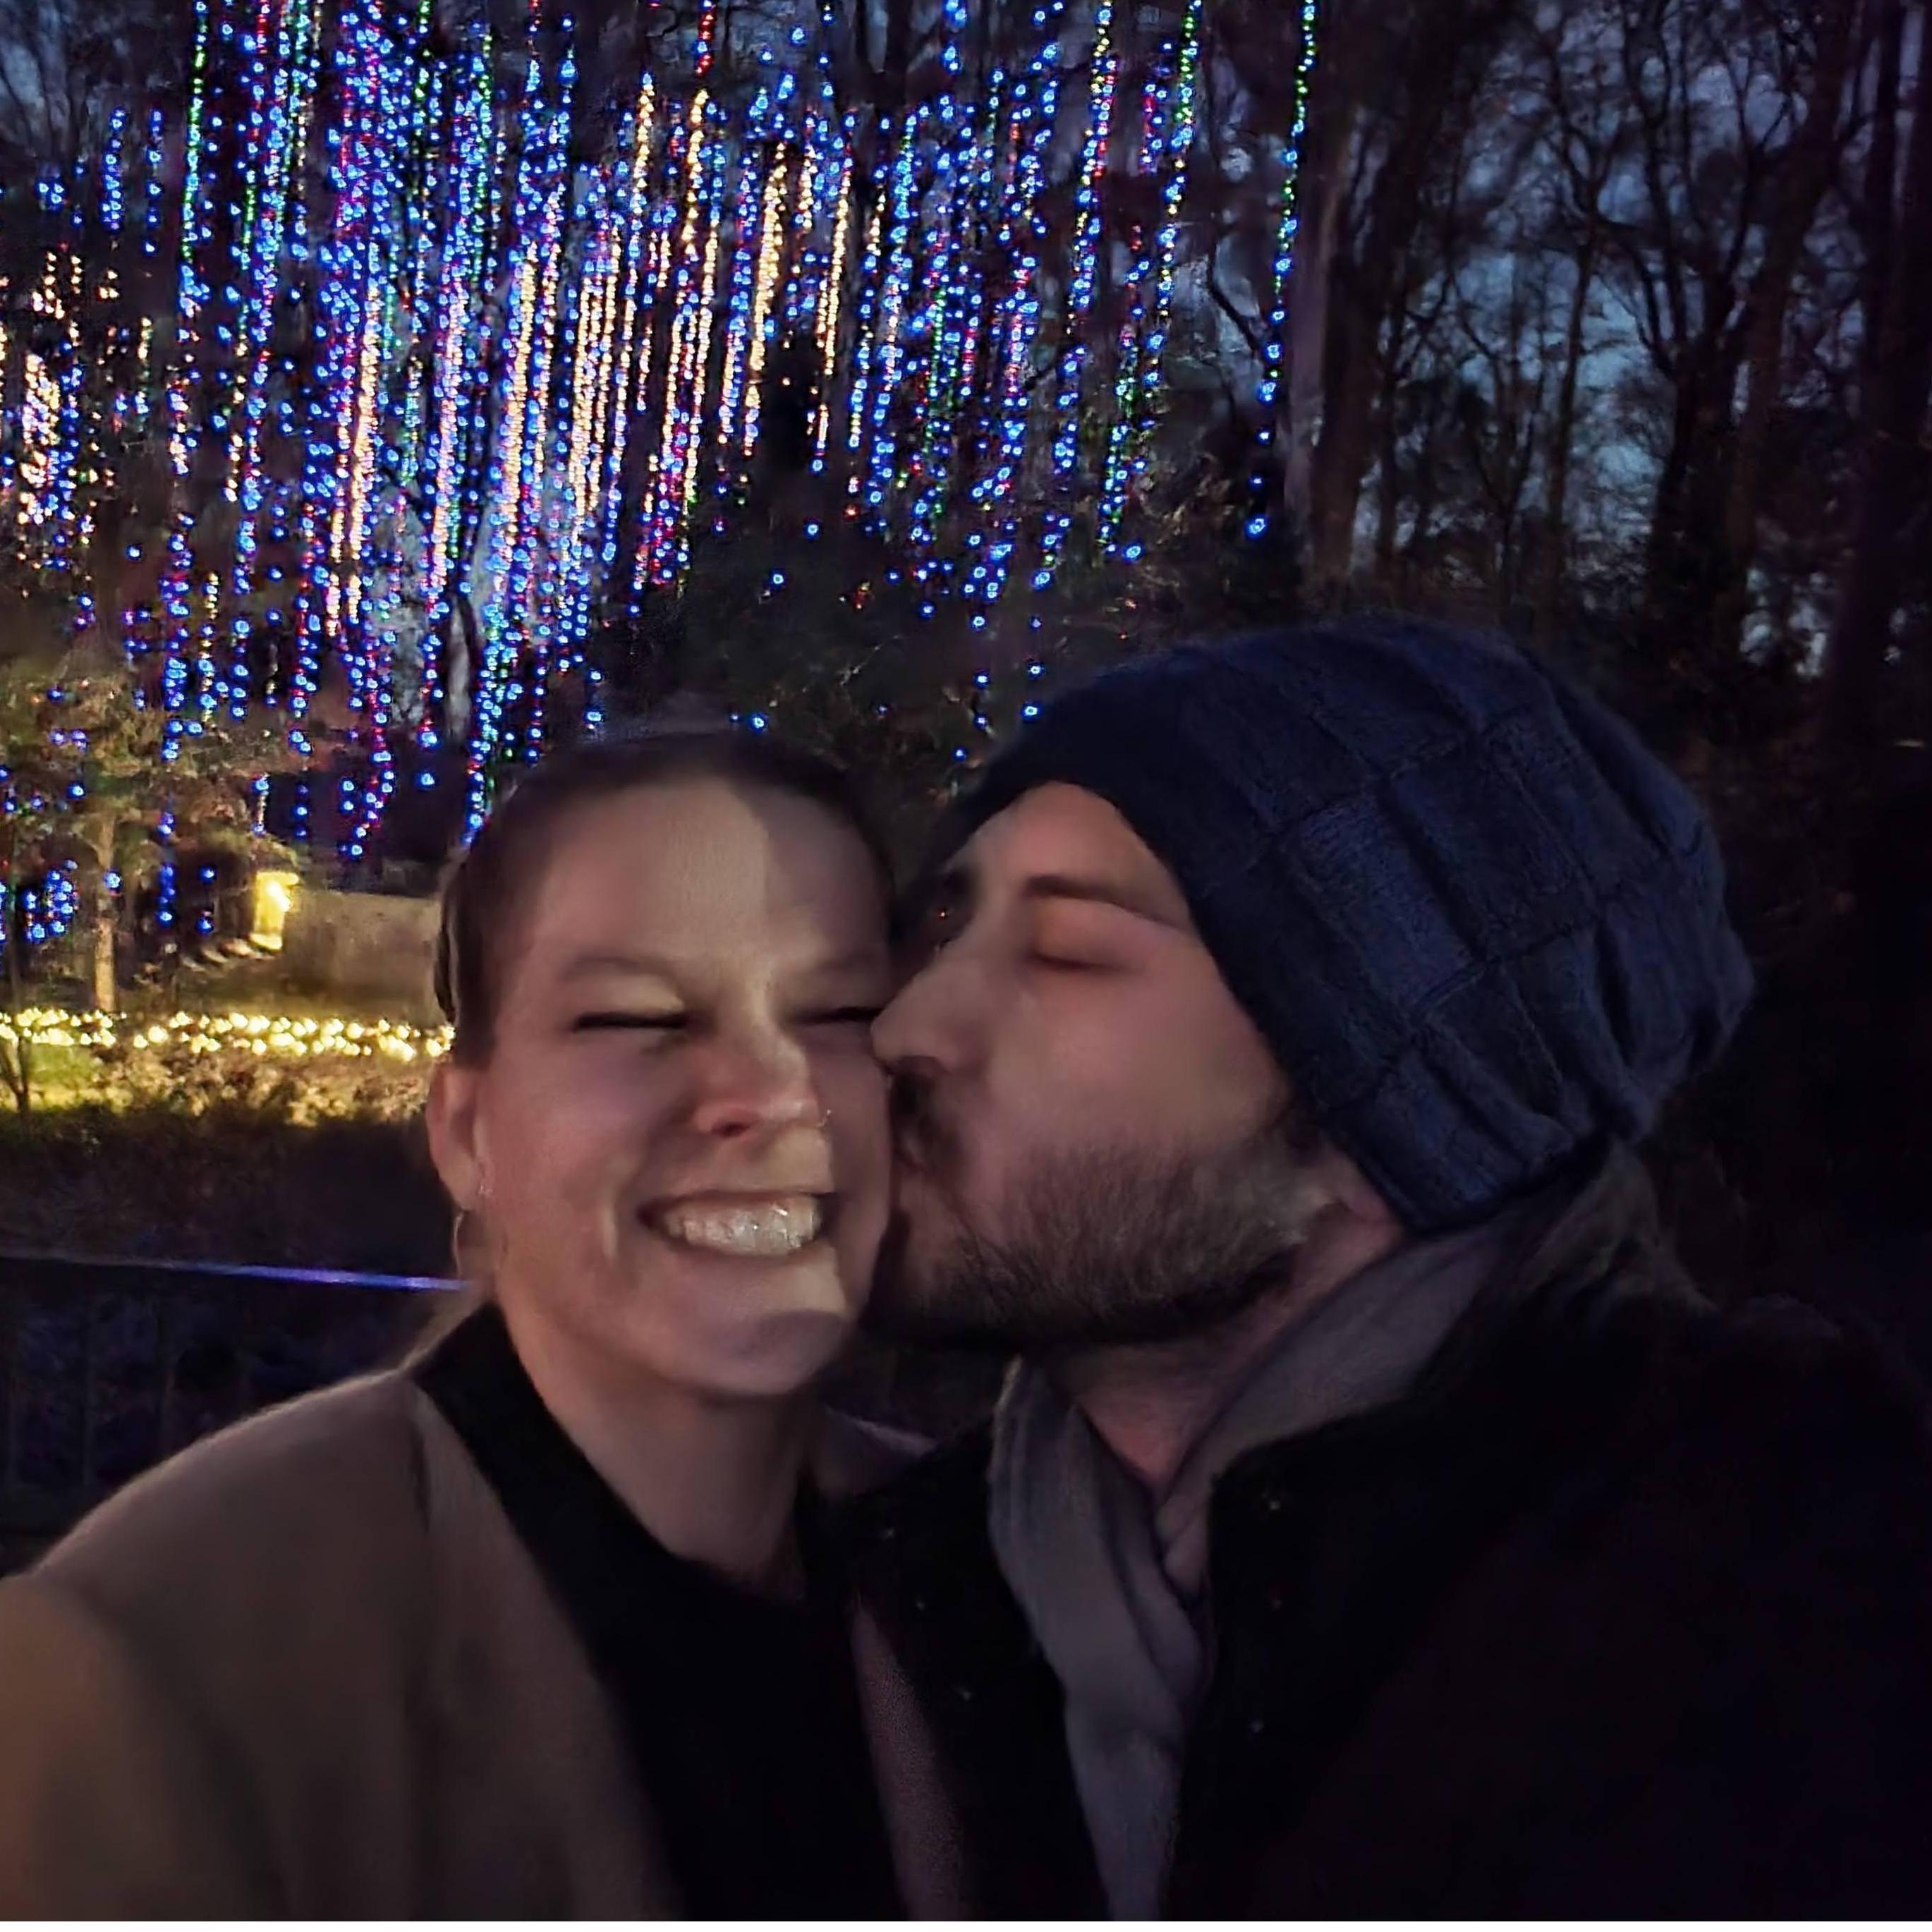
x=499 y=309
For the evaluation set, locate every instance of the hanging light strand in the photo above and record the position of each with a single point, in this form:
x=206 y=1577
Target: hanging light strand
x=1181 y=112
x=478 y=387
x=1274 y=350
x=1082 y=284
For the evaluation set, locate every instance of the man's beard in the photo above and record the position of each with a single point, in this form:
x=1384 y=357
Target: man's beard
x=1107 y=1246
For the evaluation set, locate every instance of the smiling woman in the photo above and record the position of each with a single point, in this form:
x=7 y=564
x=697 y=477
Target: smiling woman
x=582 y=1615
x=661 y=963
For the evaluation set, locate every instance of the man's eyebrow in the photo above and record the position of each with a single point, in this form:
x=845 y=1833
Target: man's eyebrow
x=1097 y=892
x=955 y=890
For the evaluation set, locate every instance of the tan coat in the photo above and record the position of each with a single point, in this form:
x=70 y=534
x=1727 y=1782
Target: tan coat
x=308 y=1669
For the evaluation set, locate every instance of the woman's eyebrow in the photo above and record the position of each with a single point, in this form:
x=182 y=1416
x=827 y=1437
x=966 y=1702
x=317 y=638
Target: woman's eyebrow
x=863 y=959
x=638 y=965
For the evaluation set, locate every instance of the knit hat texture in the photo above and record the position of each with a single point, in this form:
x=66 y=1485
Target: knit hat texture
x=1481 y=926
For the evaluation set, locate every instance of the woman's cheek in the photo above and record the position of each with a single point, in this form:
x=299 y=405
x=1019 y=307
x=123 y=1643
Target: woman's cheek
x=614 y=1089
x=854 y=1090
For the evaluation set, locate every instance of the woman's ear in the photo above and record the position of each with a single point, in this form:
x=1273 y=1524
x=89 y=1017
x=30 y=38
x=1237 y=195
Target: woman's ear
x=456 y=1134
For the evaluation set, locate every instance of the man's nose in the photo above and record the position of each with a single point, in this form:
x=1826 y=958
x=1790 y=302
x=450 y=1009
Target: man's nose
x=930 y=1022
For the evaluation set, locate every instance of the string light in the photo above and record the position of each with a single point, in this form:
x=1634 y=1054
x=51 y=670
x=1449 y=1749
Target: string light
x=631 y=354
x=150 y=222
x=890 y=351
x=113 y=161
x=184 y=424
x=508 y=486
x=746 y=208
x=673 y=478
x=260 y=1036
x=39 y=438
x=1274 y=350
x=543 y=447
x=164 y=877
x=964 y=169
x=1180 y=112
x=770 y=255
x=1085 y=277
x=511 y=400
x=1039 y=103
x=457 y=353
x=1132 y=345
x=865 y=350
x=588 y=341
x=828 y=309
x=802 y=222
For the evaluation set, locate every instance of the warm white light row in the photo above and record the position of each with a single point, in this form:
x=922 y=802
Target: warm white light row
x=260 y=1034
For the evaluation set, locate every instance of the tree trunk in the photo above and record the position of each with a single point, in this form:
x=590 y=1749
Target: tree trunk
x=897 y=66
x=1685 y=517
x=105 y=993
x=1415 y=552
x=1342 y=457
x=1556 y=495
x=1445 y=51
x=98 y=833
x=1892 y=410
x=1388 y=489
x=16 y=1056
x=1808 y=167
x=1323 y=180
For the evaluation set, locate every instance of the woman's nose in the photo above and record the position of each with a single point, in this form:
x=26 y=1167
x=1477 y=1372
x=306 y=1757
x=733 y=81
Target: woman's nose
x=747 y=1088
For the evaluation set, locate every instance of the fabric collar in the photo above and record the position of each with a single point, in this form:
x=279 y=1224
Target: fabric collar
x=1111 y=1578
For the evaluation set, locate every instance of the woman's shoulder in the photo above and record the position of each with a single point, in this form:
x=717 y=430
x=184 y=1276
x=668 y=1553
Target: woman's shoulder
x=320 y=1494
x=233 y=1650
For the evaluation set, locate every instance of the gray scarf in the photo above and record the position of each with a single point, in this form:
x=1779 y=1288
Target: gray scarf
x=1111 y=1578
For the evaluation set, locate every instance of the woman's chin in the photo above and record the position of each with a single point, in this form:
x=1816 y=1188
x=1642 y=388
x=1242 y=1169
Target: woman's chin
x=741 y=1327
x=788 y=1356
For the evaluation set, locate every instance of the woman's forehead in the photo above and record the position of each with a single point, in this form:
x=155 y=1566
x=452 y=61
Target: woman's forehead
x=702 y=865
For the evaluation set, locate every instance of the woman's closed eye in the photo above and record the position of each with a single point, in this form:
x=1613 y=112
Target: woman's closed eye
x=617 y=1022
x=853 y=1015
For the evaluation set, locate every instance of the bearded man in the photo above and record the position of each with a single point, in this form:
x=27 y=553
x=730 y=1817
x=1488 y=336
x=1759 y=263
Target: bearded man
x=1376 y=1522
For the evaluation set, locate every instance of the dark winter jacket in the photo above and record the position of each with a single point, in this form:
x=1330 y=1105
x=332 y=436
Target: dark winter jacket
x=1625 y=1612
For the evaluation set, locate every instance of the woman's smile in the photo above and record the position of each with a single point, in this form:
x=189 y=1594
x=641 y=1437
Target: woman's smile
x=760 y=1227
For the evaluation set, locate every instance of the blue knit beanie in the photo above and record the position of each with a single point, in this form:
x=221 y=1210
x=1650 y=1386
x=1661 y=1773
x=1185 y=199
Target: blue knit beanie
x=1482 y=928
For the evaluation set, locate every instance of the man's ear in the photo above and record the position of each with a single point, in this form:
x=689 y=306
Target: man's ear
x=1347 y=1197
x=1349 y=1227
x=456 y=1133
x=1352 y=1190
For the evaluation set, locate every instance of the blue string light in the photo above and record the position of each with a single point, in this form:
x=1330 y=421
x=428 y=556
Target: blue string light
x=1274 y=348
x=528 y=368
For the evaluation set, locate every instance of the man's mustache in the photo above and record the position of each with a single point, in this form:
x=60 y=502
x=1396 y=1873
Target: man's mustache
x=919 y=1133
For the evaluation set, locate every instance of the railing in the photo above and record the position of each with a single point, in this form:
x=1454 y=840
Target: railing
x=106 y=1367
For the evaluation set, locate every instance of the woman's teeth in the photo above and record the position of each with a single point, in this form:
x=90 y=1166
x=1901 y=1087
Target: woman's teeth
x=766 y=1231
